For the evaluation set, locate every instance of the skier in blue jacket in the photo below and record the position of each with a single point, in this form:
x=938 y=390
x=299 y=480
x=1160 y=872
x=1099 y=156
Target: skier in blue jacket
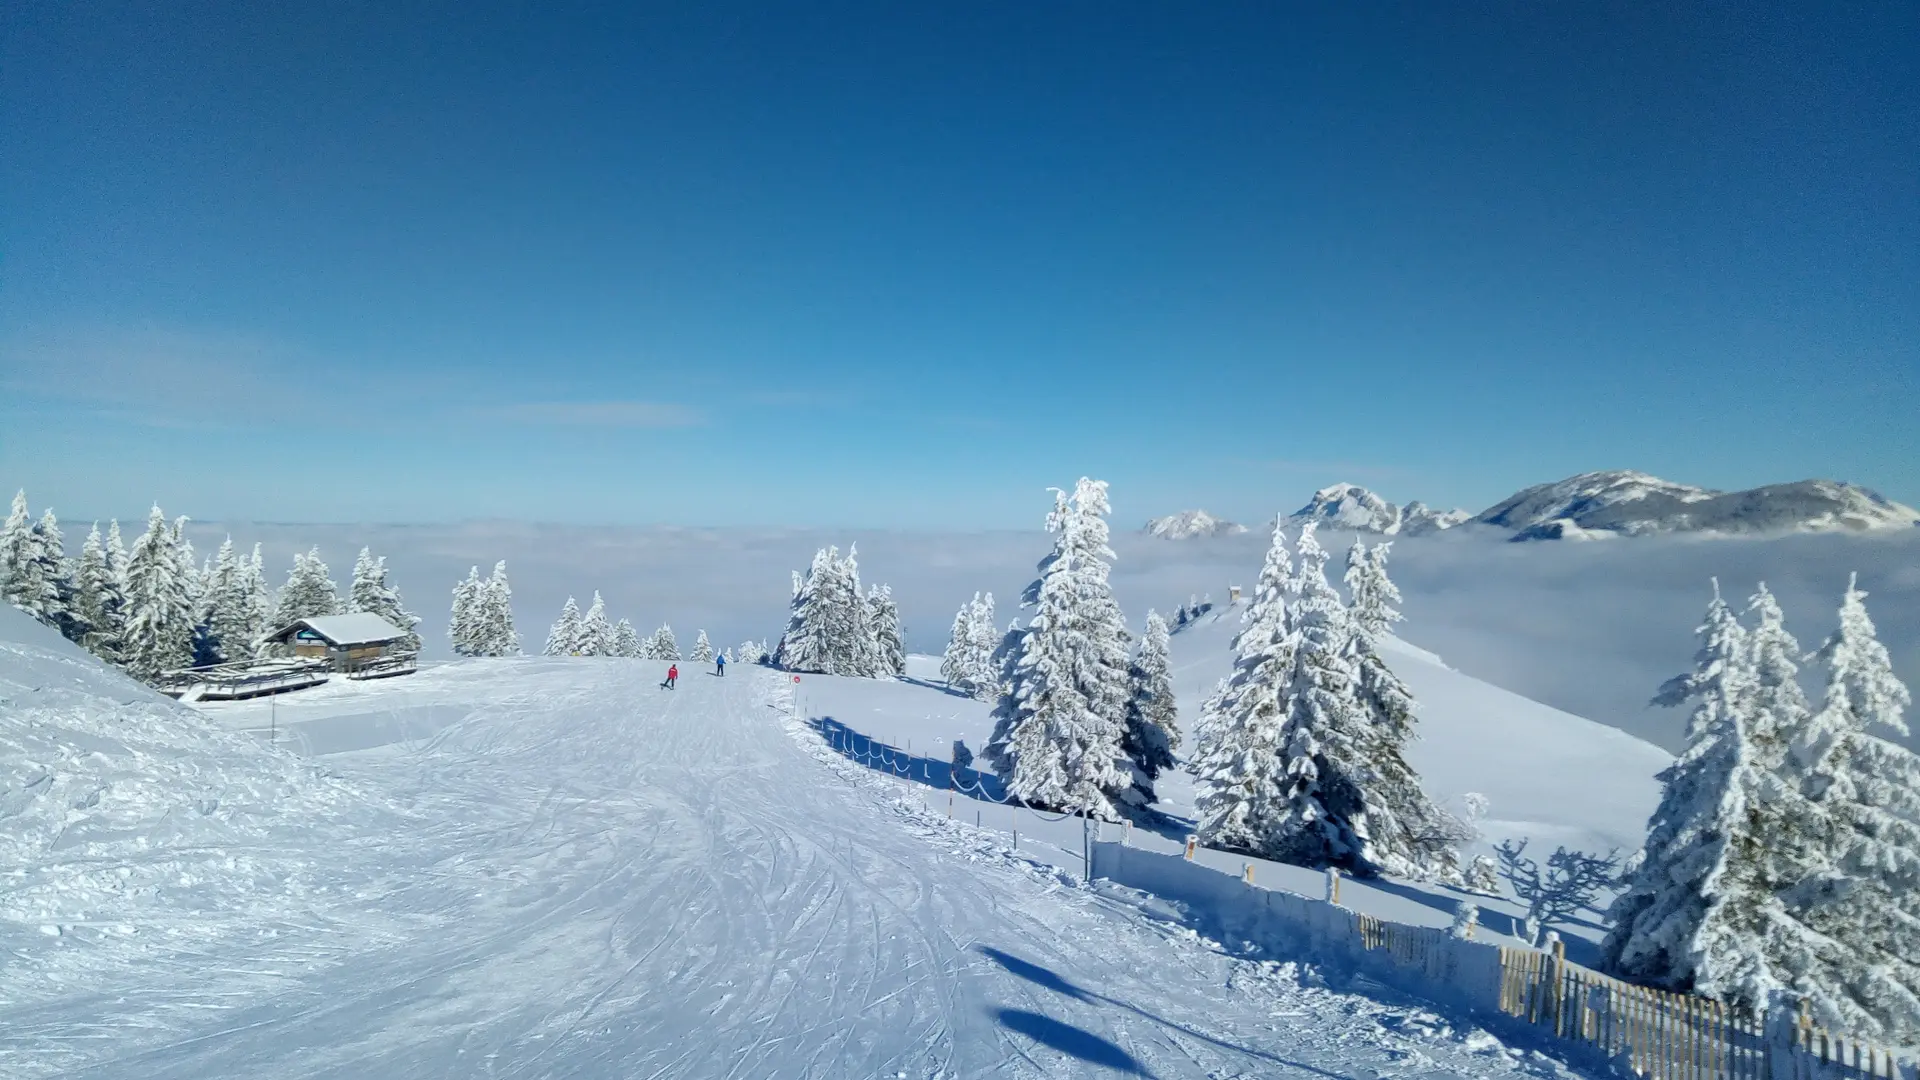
x=720 y=664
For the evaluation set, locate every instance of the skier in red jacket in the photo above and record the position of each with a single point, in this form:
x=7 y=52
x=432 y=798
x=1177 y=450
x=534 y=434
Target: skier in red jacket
x=673 y=675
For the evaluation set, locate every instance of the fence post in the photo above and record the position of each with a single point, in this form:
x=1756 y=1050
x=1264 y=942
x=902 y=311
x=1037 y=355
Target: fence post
x=1333 y=884
x=1191 y=842
x=1246 y=873
x=1557 y=1002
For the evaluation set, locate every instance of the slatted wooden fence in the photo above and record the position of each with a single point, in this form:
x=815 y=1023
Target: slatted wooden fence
x=1654 y=1033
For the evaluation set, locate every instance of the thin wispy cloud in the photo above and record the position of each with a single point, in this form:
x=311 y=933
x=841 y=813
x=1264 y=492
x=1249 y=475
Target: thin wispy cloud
x=611 y=414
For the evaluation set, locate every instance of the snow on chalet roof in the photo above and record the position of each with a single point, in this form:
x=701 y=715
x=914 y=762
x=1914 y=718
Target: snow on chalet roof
x=358 y=628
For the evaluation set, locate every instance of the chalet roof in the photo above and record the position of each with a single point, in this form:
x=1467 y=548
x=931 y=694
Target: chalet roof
x=359 y=628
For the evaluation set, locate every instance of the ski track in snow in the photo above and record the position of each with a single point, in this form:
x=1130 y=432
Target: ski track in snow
x=589 y=876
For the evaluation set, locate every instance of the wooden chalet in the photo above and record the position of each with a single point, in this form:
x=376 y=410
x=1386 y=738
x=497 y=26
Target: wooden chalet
x=359 y=642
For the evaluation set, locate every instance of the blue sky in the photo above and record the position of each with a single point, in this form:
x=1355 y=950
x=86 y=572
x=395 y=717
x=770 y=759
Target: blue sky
x=907 y=264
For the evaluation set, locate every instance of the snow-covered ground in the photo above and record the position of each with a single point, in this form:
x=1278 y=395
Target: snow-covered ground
x=538 y=867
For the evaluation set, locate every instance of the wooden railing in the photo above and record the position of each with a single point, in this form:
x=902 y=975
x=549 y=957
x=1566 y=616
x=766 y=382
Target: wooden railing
x=1653 y=1033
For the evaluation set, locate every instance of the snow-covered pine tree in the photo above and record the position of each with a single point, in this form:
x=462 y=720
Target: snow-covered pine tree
x=159 y=628
x=749 y=652
x=850 y=644
x=1322 y=812
x=222 y=632
x=1673 y=924
x=463 y=631
x=564 y=638
x=663 y=646
x=191 y=573
x=1737 y=855
x=116 y=553
x=41 y=582
x=1238 y=765
x=958 y=664
x=702 y=649
x=308 y=593
x=98 y=601
x=1411 y=835
x=16 y=543
x=803 y=646
x=495 y=615
x=625 y=641
x=890 y=653
x=1868 y=788
x=371 y=592
x=987 y=637
x=259 y=601
x=1058 y=727
x=596 y=633
x=1152 y=732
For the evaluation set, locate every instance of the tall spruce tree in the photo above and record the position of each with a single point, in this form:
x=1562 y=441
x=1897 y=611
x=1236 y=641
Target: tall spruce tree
x=1868 y=788
x=596 y=633
x=98 y=599
x=308 y=593
x=702 y=649
x=159 y=627
x=495 y=615
x=225 y=629
x=804 y=646
x=1152 y=728
x=849 y=632
x=1321 y=814
x=17 y=544
x=463 y=626
x=986 y=640
x=1672 y=924
x=889 y=652
x=1237 y=762
x=957 y=664
x=372 y=593
x=1411 y=835
x=1058 y=727
x=41 y=583
x=625 y=641
x=563 y=639
x=663 y=645
x=259 y=602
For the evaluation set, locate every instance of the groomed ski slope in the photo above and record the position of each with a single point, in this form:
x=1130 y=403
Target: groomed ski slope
x=578 y=874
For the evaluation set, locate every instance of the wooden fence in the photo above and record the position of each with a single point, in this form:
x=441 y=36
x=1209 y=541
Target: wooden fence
x=1652 y=1033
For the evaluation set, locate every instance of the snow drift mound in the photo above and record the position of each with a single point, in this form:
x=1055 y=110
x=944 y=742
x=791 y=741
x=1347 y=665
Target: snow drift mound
x=126 y=817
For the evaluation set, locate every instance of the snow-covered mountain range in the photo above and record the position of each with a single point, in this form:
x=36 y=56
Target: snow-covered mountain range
x=1625 y=503
x=1352 y=507
x=1188 y=524
x=1620 y=502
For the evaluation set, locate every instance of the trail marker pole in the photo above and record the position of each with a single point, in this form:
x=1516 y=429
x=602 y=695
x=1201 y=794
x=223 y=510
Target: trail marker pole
x=1086 y=845
x=273 y=721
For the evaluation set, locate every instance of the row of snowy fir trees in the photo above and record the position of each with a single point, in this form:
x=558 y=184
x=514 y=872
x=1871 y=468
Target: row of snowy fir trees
x=481 y=623
x=1301 y=750
x=1783 y=862
x=156 y=607
x=834 y=628
x=1081 y=724
x=593 y=634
